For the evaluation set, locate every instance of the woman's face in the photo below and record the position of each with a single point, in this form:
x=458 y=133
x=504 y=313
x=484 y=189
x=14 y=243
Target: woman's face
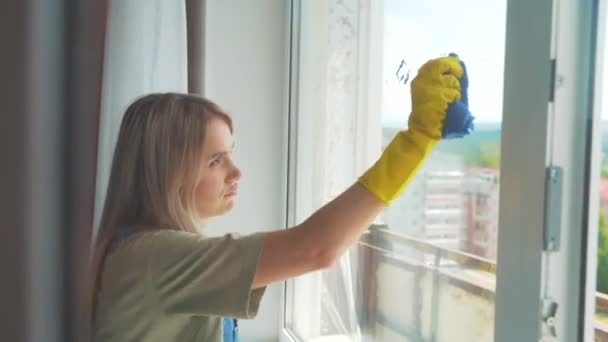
x=219 y=176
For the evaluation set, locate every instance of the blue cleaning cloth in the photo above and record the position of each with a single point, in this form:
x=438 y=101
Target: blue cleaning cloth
x=459 y=121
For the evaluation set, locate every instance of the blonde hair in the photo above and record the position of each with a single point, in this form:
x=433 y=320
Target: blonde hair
x=154 y=171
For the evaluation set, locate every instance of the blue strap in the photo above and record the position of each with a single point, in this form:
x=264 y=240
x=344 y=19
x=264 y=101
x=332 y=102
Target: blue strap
x=122 y=235
x=126 y=233
x=231 y=330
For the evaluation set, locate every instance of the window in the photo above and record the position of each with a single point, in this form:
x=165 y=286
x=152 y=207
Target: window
x=427 y=269
x=460 y=173
x=437 y=212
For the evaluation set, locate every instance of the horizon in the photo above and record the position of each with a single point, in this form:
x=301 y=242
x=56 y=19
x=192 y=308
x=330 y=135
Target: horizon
x=395 y=124
x=402 y=124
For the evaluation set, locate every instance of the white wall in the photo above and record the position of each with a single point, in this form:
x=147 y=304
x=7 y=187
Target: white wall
x=245 y=72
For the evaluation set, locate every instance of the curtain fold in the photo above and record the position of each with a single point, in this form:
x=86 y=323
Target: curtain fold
x=195 y=17
x=85 y=48
x=145 y=51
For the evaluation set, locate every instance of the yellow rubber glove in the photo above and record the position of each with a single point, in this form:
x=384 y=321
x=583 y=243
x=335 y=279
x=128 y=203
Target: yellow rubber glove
x=433 y=89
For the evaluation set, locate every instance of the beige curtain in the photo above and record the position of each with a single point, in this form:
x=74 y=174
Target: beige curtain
x=146 y=51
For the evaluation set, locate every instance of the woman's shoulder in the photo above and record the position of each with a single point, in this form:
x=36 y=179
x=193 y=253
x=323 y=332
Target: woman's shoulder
x=137 y=242
x=172 y=234
x=165 y=238
x=194 y=240
x=168 y=240
x=171 y=245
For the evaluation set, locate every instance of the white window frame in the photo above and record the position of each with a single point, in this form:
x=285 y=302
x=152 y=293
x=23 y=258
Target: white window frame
x=520 y=233
x=369 y=99
x=530 y=126
x=554 y=133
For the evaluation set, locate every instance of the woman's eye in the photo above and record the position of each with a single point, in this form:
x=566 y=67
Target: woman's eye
x=214 y=162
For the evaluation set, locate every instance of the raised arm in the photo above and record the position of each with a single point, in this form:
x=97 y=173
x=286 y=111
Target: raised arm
x=317 y=242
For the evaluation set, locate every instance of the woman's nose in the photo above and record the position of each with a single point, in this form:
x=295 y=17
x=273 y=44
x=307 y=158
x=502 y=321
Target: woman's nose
x=235 y=173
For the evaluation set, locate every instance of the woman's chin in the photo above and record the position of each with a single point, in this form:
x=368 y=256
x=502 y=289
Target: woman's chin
x=220 y=209
x=229 y=204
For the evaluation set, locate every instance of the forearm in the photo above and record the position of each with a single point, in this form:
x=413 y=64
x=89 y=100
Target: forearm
x=317 y=242
x=334 y=227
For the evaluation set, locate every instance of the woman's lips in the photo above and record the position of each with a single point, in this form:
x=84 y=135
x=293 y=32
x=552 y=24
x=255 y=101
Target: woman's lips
x=232 y=191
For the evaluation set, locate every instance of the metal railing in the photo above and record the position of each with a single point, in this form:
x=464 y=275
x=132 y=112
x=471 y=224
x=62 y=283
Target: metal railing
x=387 y=246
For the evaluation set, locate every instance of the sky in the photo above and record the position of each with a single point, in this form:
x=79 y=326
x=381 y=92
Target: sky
x=416 y=31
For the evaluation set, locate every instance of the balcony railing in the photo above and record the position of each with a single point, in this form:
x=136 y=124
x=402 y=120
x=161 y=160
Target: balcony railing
x=385 y=255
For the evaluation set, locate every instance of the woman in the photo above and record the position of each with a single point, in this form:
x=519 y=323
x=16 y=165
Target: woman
x=158 y=278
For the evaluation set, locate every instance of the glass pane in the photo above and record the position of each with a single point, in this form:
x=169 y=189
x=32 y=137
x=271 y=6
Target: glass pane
x=601 y=298
x=437 y=254
x=428 y=272
x=322 y=306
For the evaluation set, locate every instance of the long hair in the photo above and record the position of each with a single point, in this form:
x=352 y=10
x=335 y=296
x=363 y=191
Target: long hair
x=154 y=172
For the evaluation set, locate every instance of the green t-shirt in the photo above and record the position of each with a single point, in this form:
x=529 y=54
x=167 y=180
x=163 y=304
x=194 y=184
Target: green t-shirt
x=176 y=286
